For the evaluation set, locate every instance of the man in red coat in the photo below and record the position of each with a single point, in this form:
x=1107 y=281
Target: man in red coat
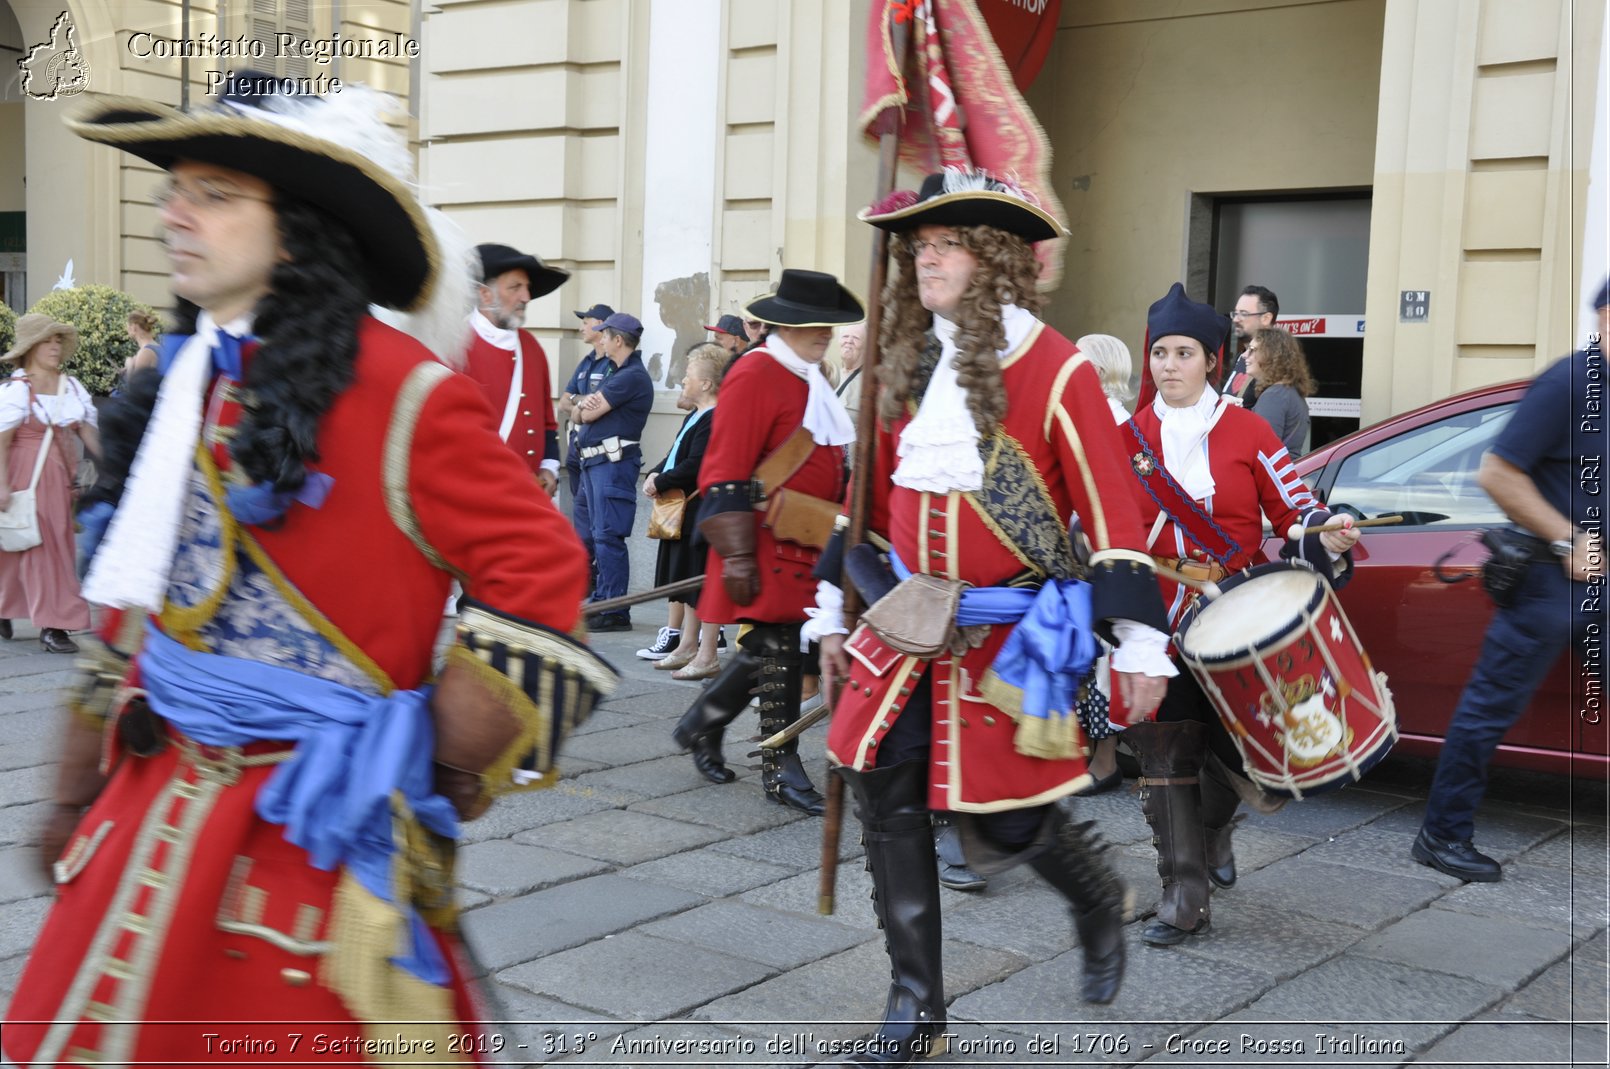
x=773 y=477
x=259 y=824
x=994 y=432
x=509 y=364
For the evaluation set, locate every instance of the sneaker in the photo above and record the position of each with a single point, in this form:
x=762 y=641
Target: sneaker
x=664 y=643
x=721 y=638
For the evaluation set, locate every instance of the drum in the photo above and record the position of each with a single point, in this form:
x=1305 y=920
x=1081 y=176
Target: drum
x=1278 y=658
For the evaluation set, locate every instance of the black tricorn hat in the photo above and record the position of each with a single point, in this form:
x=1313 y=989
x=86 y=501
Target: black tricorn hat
x=335 y=152
x=964 y=198
x=496 y=259
x=807 y=299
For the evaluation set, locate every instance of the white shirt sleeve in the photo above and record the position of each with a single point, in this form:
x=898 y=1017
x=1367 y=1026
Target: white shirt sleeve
x=13 y=404
x=87 y=413
x=1141 y=649
x=827 y=618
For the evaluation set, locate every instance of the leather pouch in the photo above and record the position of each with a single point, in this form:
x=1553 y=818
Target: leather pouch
x=800 y=518
x=665 y=515
x=918 y=616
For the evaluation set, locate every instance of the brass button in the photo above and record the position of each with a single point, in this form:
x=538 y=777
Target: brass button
x=238 y=955
x=530 y=452
x=904 y=691
x=296 y=977
x=885 y=726
x=989 y=721
x=962 y=721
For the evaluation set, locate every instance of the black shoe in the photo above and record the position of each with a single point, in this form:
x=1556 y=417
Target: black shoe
x=55 y=640
x=666 y=641
x=953 y=870
x=721 y=638
x=1456 y=857
x=1163 y=934
x=600 y=624
x=5 y=630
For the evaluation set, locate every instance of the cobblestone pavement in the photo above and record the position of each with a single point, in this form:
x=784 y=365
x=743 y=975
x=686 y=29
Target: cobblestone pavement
x=637 y=916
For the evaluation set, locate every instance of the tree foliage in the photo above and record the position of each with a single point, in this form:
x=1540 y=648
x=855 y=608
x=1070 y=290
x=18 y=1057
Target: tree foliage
x=101 y=315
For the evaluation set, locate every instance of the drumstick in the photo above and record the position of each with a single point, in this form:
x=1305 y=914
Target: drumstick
x=1297 y=530
x=1207 y=586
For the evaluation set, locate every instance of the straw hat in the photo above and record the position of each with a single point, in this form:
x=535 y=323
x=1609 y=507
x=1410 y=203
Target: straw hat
x=35 y=328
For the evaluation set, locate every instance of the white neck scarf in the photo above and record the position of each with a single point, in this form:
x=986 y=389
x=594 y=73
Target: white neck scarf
x=1185 y=447
x=825 y=415
x=494 y=335
x=939 y=447
x=131 y=567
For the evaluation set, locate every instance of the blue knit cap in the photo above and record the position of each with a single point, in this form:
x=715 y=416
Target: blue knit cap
x=1176 y=313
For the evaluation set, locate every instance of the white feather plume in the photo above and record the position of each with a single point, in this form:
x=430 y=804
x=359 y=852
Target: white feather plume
x=357 y=118
x=439 y=325
x=965 y=180
x=66 y=282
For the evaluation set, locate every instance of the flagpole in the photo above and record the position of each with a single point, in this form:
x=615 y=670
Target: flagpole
x=865 y=442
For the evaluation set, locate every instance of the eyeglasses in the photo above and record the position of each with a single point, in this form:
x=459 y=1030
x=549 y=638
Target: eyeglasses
x=203 y=196
x=1247 y=315
x=943 y=247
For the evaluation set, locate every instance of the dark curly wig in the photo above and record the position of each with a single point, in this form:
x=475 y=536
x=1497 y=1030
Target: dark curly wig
x=308 y=324
x=1006 y=274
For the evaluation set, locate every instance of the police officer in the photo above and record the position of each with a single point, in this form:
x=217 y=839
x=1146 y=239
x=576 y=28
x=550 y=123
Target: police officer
x=588 y=374
x=1544 y=472
x=612 y=420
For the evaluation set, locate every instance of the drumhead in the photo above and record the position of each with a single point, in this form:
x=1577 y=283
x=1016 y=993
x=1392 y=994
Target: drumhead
x=1264 y=606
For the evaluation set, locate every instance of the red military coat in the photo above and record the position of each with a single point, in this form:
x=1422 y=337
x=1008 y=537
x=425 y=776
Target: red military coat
x=179 y=902
x=762 y=404
x=1253 y=478
x=534 y=434
x=1058 y=415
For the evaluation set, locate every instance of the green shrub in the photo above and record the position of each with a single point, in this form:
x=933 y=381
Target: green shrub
x=8 y=327
x=101 y=315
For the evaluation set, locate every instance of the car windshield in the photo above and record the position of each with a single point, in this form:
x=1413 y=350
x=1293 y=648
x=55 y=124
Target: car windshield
x=1426 y=474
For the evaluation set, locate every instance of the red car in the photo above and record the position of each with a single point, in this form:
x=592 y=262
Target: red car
x=1423 y=632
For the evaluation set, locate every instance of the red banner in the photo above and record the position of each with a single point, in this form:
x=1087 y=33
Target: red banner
x=1023 y=30
x=967 y=111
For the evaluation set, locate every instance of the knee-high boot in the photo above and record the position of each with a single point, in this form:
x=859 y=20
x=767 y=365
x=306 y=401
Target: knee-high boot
x=893 y=806
x=1219 y=802
x=1072 y=862
x=781 y=773
x=1170 y=760
x=703 y=726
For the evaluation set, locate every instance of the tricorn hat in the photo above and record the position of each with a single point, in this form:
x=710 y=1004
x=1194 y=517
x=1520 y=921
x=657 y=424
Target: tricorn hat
x=807 y=299
x=1175 y=313
x=37 y=327
x=955 y=197
x=335 y=152
x=496 y=259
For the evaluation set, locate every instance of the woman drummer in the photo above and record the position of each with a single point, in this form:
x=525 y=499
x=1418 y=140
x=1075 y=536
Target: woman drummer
x=1207 y=473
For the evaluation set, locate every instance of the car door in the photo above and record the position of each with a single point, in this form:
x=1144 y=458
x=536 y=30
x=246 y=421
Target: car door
x=1424 y=631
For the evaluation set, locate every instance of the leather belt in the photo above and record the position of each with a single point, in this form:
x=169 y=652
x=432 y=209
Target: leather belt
x=1203 y=571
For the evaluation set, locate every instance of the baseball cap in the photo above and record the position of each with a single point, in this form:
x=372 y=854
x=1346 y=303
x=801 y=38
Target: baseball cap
x=624 y=322
x=728 y=325
x=597 y=311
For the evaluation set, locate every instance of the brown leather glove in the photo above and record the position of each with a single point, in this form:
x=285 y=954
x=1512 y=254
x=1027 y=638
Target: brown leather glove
x=463 y=789
x=78 y=783
x=732 y=534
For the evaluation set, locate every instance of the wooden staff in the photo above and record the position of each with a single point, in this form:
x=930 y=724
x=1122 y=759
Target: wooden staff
x=1297 y=531
x=626 y=601
x=866 y=428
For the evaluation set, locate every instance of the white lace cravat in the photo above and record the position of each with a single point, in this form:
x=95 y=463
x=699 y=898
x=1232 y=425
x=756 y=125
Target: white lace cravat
x=1185 y=448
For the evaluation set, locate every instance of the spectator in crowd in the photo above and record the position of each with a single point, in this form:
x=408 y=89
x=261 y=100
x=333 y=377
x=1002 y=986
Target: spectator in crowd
x=44 y=414
x=1255 y=309
x=142 y=327
x=612 y=419
x=1535 y=474
x=508 y=363
x=730 y=334
x=693 y=652
x=852 y=339
x=1275 y=361
x=588 y=374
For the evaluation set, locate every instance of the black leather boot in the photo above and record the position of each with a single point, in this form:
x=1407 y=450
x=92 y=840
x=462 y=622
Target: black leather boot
x=953 y=870
x=781 y=773
x=5 y=630
x=1219 y=802
x=1170 y=759
x=1072 y=862
x=892 y=804
x=705 y=723
x=55 y=640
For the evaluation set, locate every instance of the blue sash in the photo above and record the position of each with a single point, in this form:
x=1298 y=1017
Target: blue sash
x=353 y=752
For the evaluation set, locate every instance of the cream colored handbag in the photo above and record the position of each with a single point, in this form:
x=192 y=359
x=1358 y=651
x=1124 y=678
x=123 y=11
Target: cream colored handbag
x=19 y=522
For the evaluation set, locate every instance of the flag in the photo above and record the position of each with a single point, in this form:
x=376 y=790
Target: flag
x=964 y=110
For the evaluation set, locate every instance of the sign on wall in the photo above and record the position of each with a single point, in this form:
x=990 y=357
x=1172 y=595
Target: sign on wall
x=1414 y=306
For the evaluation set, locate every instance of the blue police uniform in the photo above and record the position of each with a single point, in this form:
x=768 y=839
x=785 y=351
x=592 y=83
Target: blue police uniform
x=610 y=458
x=1558 y=438
x=588 y=374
